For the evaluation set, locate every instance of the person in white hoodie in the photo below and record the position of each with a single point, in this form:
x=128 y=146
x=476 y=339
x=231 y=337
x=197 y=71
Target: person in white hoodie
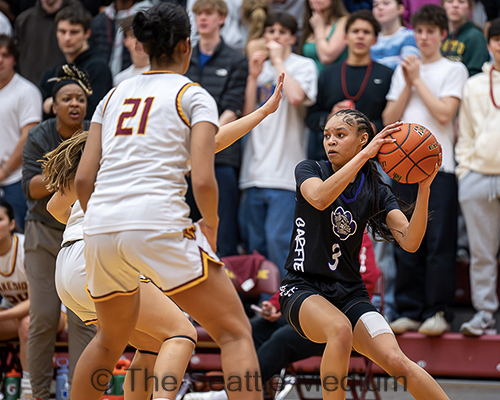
x=477 y=153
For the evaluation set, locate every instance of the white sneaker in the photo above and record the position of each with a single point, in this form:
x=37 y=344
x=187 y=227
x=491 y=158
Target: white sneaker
x=212 y=395
x=482 y=323
x=435 y=325
x=26 y=391
x=402 y=325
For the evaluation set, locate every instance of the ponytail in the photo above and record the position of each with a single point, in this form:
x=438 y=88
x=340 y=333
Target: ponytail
x=160 y=28
x=255 y=13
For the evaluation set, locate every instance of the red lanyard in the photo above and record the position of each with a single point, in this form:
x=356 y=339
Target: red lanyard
x=363 y=85
x=491 y=87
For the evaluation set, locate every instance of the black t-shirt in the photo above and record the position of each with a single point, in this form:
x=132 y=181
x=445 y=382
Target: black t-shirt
x=100 y=79
x=328 y=242
x=371 y=102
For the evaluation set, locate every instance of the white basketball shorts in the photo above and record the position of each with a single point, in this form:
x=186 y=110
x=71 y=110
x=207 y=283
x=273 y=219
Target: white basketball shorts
x=174 y=261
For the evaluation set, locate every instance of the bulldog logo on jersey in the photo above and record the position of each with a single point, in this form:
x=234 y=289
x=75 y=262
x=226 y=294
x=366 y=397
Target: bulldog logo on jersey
x=343 y=224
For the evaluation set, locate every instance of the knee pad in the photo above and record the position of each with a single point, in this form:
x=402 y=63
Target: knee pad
x=375 y=323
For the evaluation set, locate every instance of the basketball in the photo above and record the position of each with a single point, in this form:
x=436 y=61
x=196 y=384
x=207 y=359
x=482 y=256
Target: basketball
x=412 y=157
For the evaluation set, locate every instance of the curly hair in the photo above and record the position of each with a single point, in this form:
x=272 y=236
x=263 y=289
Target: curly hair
x=60 y=165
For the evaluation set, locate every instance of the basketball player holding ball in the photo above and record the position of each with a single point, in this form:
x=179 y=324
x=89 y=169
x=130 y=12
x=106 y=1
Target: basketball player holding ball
x=323 y=296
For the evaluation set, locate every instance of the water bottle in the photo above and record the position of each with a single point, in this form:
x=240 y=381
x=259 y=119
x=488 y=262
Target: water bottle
x=62 y=385
x=119 y=376
x=12 y=385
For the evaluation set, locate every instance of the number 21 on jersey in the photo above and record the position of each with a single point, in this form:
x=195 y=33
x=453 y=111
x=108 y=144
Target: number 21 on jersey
x=139 y=124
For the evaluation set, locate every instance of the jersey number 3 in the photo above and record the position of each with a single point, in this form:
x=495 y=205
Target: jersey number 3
x=336 y=253
x=141 y=130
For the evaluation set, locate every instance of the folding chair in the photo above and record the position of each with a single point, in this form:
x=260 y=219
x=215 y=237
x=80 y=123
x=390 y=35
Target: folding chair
x=252 y=274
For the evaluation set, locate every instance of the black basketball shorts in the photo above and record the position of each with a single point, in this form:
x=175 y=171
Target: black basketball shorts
x=351 y=299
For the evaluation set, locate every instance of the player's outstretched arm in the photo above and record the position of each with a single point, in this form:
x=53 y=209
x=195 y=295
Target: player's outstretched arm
x=410 y=234
x=231 y=132
x=89 y=166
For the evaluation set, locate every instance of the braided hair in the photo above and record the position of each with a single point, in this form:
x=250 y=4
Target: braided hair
x=69 y=73
x=376 y=223
x=60 y=165
x=160 y=28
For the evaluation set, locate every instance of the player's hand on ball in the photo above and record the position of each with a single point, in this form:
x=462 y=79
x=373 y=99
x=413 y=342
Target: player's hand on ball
x=412 y=157
x=382 y=138
x=426 y=183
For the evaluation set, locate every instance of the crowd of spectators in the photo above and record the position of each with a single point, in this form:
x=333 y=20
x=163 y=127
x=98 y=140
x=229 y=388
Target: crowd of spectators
x=434 y=70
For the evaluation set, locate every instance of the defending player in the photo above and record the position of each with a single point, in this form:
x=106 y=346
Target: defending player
x=323 y=296
x=71 y=277
x=140 y=142
x=71 y=280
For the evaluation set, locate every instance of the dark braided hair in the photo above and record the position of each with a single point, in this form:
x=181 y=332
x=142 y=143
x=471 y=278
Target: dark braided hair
x=69 y=73
x=160 y=28
x=356 y=118
x=60 y=165
x=376 y=223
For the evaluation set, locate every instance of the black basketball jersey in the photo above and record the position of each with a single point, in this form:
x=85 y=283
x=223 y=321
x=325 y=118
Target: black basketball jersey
x=328 y=242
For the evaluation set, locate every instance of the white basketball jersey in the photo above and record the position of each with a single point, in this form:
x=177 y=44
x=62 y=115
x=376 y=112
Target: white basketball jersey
x=13 y=281
x=146 y=125
x=74 y=226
